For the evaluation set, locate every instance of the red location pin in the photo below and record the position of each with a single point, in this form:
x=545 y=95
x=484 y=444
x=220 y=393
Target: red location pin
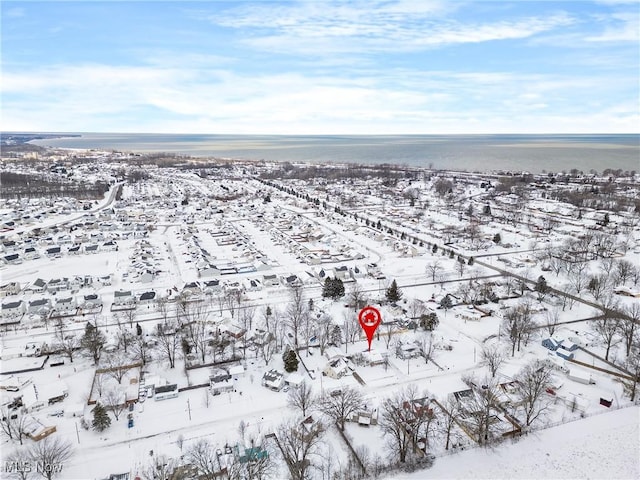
x=369 y=319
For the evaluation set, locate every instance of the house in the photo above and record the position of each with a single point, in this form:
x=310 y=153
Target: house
x=407 y=351
x=166 y=391
x=52 y=252
x=211 y=287
x=294 y=380
x=109 y=246
x=236 y=371
x=191 y=288
x=341 y=273
x=337 y=367
x=123 y=298
x=551 y=343
x=357 y=272
x=39 y=306
x=273 y=380
x=270 y=280
x=12 y=259
x=220 y=381
x=563 y=353
x=13 y=309
x=93 y=248
x=292 y=281
x=65 y=306
x=147 y=298
x=36 y=430
x=11 y=288
x=91 y=301
x=30 y=253
x=38 y=286
x=58 y=285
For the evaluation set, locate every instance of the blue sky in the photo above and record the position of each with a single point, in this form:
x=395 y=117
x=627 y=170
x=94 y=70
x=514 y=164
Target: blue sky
x=320 y=67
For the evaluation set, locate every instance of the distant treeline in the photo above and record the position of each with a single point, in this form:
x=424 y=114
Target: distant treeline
x=26 y=185
x=334 y=172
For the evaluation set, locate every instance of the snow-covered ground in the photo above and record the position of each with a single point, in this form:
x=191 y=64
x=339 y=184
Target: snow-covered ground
x=598 y=447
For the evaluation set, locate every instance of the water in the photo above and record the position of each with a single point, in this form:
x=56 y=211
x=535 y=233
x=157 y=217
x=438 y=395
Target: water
x=533 y=153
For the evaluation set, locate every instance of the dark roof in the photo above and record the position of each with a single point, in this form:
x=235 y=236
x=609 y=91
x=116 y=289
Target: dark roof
x=148 y=296
x=167 y=388
x=7 y=306
x=38 y=302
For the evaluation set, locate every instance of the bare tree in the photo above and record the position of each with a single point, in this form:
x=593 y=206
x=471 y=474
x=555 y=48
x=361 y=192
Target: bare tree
x=17 y=458
x=323 y=332
x=193 y=316
x=389 y=330
x=53 y=451
x=350 y=328
x=339 y=405
x=141 y=350
x=478 y=407
x=599 y=286
x=300 y=443
x=296 y=312
x=303 y=399
x=532 y=383
x=404 y=420
x=461 y=266
x=629 y=325
x=494 y=356
x=632 y=364
x=357 y=297
x=577 y=274
x=168 y=341
x=517 y=325
x=115 y=368
x=451 y=410
x=608 y=326
x=257 y=466
x=13 y=424
x=416 y=309
x=202 y=455
x=67 y=343
x=552 y=318
x=115 y=400
x=427 y=346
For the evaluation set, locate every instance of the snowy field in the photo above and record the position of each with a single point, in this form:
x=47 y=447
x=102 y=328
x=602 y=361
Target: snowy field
x=598 y=447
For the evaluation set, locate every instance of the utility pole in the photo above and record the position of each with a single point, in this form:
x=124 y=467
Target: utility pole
x=189 y=409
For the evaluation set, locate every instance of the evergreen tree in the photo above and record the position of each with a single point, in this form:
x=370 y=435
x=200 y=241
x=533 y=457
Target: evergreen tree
x=451 y=254
x=333 y=288
x=429 y=321
x=101 y=420
x=435 y=248
x=471 y=260
x=541 y=287
x=269 y=312
x=338 y=289
x=446 y=302
x=497 y=238
x=393 y=293
x=93 y=340
x=138 y=329
x=290 y=360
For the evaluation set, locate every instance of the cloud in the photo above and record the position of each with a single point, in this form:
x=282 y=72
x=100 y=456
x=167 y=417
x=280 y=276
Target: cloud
x=15 y=12
x=98 y=97
x=327 y=28
x=623 y=27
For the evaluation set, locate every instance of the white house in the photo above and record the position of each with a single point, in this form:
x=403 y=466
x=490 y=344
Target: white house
x=13 y=308
x=273 y=380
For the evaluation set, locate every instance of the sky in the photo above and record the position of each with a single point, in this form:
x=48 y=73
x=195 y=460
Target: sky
x=321 y=67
